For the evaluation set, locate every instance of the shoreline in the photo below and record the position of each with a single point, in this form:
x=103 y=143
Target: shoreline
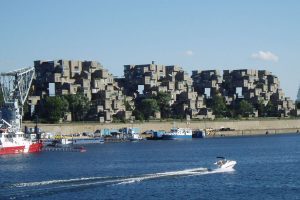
x=254 y=132
x=238 y=127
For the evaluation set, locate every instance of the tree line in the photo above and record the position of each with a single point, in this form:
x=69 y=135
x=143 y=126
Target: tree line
x=146 y=107
x=241 y=108
x=53 y=109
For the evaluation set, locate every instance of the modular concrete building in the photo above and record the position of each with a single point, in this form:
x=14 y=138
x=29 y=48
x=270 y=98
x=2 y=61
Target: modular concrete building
x=189 y=94
x=154 y=78
x=63 y=77
x=254 y=86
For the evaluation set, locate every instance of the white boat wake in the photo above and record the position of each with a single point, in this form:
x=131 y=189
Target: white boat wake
x=186 y=172
x=123 y=180
x=29 y=189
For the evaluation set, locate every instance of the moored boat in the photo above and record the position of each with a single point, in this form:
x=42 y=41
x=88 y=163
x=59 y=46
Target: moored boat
x=14 y=142
x=15 y=86
x=81 y=140
x=198 y=133
x=156 y=135
x=178 y=133
x=134 y=136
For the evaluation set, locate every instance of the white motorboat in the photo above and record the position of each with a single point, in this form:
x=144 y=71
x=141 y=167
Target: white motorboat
x=223 y=163
x=133 y=136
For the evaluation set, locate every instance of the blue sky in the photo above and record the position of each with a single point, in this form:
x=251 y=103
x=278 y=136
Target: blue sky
x=195 y=34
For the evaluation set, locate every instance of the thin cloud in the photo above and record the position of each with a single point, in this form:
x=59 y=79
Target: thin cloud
x=189 y=53
x=265 y=56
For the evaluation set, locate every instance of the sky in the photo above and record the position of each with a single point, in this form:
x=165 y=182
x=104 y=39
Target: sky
x=194 y=34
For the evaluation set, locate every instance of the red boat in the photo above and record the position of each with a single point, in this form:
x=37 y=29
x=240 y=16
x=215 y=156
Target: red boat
x=16 y=142
x=15 y=86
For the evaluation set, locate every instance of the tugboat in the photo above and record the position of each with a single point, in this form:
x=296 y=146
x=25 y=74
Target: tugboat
x=14 y=142
x=15 y=87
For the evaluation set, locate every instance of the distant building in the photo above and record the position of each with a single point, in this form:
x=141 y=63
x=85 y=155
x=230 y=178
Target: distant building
x=171 y=79
x=189 y=94
x=89 y=77
x=255 y=86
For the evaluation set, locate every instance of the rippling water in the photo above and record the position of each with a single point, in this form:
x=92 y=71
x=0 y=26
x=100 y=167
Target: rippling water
x=267 y=168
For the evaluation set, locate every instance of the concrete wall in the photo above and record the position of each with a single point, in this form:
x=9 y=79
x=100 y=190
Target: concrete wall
x=241 y=127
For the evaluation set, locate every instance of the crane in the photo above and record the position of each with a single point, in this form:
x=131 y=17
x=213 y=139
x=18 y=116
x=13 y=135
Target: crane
x=15 y=86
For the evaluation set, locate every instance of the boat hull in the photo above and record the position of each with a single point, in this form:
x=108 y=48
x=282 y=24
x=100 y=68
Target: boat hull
x=176 y=137
x=12 y=150
x=229 y=164
x=178 y=133
x=82 y=141
x=198 y=134
x=88 y=141
x=154 y=138
x=35 y=147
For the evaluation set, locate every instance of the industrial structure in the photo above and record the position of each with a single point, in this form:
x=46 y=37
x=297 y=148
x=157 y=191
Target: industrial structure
x=15 y=86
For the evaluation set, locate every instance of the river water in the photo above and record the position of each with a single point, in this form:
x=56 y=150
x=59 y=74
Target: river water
x=267 y=168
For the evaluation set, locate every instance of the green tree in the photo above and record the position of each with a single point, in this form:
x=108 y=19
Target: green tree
x=297 y=105
x=271 y=110
x=163 y=100
x=26 y=111
x=261 y=108
x=177 y=110
x=55 y=108
x=127 y=106
x=245 y=108
x=79 y=106
x=149 y=107
x=138 y=115
x=118 y=118
x=219 y=106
